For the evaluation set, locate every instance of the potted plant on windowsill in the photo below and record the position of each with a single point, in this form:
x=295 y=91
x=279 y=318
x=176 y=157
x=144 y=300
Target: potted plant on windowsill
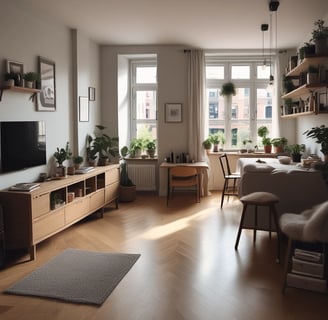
x=127 y=187
x=61 y=155
x=150 y=146
x=279 y=144
x=136 y=146
x=262 y=132
x=207 y=144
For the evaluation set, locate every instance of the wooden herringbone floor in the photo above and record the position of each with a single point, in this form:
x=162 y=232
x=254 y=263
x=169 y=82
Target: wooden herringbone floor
x=188 y=267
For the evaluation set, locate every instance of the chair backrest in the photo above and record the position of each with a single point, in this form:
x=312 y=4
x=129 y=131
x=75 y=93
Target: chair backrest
x=183 y=171
x=224 y=162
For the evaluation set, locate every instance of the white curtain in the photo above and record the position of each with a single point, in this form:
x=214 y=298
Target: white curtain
x=196 y=104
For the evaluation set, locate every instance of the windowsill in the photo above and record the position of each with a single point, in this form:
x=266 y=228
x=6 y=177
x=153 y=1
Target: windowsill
x=142 y=159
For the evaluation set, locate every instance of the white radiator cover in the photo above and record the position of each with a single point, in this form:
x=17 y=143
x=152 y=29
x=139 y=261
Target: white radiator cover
x=143 y=176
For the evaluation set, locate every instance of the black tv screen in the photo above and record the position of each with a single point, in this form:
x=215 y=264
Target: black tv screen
x=23 y=145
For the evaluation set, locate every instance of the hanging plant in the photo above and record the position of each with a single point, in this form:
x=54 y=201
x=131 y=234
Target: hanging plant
x=228 y=89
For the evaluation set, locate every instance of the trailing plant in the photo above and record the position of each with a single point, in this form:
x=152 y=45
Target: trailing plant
x=228 y=89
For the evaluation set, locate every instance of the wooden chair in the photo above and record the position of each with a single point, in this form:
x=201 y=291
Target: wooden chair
x=228 y=189
x=183 y=177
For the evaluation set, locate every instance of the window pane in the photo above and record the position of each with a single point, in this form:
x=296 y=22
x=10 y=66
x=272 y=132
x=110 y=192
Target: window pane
x=146 y=105
x=240 y=72
x=147 y=130
x=215 y=104
x=146 y=75
x=264 y=111
x=240 y=117
x=214 y=72
x=263 y=72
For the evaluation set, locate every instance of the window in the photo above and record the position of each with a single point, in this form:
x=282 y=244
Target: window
x=239 y=116
x=143 y=99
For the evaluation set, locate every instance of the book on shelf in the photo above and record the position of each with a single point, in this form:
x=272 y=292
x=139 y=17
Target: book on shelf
x=24 y=186
x=84 y=169
x=307 y=268
x=307 y=255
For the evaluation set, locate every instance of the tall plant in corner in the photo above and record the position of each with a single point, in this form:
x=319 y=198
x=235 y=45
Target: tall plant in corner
x=320 y=134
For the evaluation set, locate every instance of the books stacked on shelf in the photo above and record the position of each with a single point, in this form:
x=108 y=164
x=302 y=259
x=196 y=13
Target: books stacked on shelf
x=84 y=170
x=24 y=186
x=307 y=271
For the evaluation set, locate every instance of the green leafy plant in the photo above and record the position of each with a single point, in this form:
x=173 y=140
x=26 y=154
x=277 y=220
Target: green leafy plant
x=124 y=177
x=320 y=134
x=207 y=144
x=228 y=89
x=296 y=148
x=77 y=159
x=31 y=76
x=320 y=31
x=276 y=142
x=63 y=154
x=262 y=132
x=150 y=145
x=9 y=76
x=136 y=145
x=104 y=145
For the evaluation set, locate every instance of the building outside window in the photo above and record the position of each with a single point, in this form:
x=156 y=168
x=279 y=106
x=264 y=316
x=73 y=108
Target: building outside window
x=249 y=109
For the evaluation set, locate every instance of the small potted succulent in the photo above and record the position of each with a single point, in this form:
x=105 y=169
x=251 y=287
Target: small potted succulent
x=77 y=160
x=30 y=79
x=61 y=155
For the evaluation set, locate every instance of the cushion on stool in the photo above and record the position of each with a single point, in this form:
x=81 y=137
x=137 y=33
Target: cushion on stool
x=260 y=198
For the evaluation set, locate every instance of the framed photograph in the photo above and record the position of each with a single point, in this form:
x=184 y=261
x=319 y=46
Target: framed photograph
x=47 y=96
x=83 y=109
x=18 y=69
x=173 y=112
x=92 y=94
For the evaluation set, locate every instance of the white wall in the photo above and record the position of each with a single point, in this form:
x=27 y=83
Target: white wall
x=24 y=35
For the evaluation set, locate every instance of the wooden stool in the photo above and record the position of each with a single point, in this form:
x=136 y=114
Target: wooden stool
x=257 y=199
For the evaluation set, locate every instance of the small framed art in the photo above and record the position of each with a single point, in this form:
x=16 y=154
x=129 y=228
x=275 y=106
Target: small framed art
x=173 y=112
x=92 y=93
x=83 y=109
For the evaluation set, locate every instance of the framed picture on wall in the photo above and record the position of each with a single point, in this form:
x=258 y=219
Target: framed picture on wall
x=83 y=109
x=173 y=112
x=18 y=69
x=47 y=96
x=92 y=94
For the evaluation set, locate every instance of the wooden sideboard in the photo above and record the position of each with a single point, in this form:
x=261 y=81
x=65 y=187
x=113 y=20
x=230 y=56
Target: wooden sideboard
x=31 y=217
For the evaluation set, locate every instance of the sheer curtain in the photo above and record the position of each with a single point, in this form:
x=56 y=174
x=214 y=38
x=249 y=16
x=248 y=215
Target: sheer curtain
x=196 y=103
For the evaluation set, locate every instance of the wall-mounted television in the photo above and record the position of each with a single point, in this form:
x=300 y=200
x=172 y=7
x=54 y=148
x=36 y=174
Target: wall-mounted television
x=22 y=145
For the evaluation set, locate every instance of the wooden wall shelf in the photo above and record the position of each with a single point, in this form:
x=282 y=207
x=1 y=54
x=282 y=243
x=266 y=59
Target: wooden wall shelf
x=18 y=89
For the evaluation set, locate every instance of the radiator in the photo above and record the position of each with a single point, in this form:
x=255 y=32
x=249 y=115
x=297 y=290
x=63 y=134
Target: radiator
x=143 y=176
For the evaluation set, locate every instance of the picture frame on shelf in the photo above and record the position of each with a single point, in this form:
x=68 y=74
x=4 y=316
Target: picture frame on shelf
x=18 y=69
x=173 y=112
x=83 y=109
x=47 y=97
x=92 y=93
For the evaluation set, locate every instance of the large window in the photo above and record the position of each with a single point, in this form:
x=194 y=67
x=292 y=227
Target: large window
x=238 y=117
x=143 y=99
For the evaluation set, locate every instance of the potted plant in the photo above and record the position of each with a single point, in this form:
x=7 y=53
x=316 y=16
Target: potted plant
x=105 y=146
x=262 y=132
x=61 y=155
x=127 y=187
x=9 y=78
x=136 y=146
x=30 y=79
x=228 y=89
x=77 y=160
x=296 y=151
x=288 y=84
x=207 y=144
x=320 y=133
x=215 y=140
x=312 y=75
x=244 y=143
x=279 y=144
x=319 y=37
x=150 y=146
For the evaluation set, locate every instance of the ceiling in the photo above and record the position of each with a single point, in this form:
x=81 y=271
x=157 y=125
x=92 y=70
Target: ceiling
x=208 y=24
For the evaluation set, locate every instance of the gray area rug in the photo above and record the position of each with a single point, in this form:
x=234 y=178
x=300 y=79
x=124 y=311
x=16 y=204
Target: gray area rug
x=77 y=276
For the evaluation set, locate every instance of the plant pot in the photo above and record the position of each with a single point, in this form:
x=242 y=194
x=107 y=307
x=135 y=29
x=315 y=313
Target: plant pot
x=61 y=171
x=10 y=82
x=127 y=193
x=71 y=171
x=321 y=46
x=29 y=84
x=296 y=157
x=103 y=162
x=215 y=148
x=267 y=149
x=151 y=153
x=279 y=149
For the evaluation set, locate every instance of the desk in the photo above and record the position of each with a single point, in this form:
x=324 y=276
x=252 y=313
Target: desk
x=201 y=168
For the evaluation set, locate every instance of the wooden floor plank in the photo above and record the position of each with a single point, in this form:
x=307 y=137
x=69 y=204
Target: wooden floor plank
x=188 y=267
